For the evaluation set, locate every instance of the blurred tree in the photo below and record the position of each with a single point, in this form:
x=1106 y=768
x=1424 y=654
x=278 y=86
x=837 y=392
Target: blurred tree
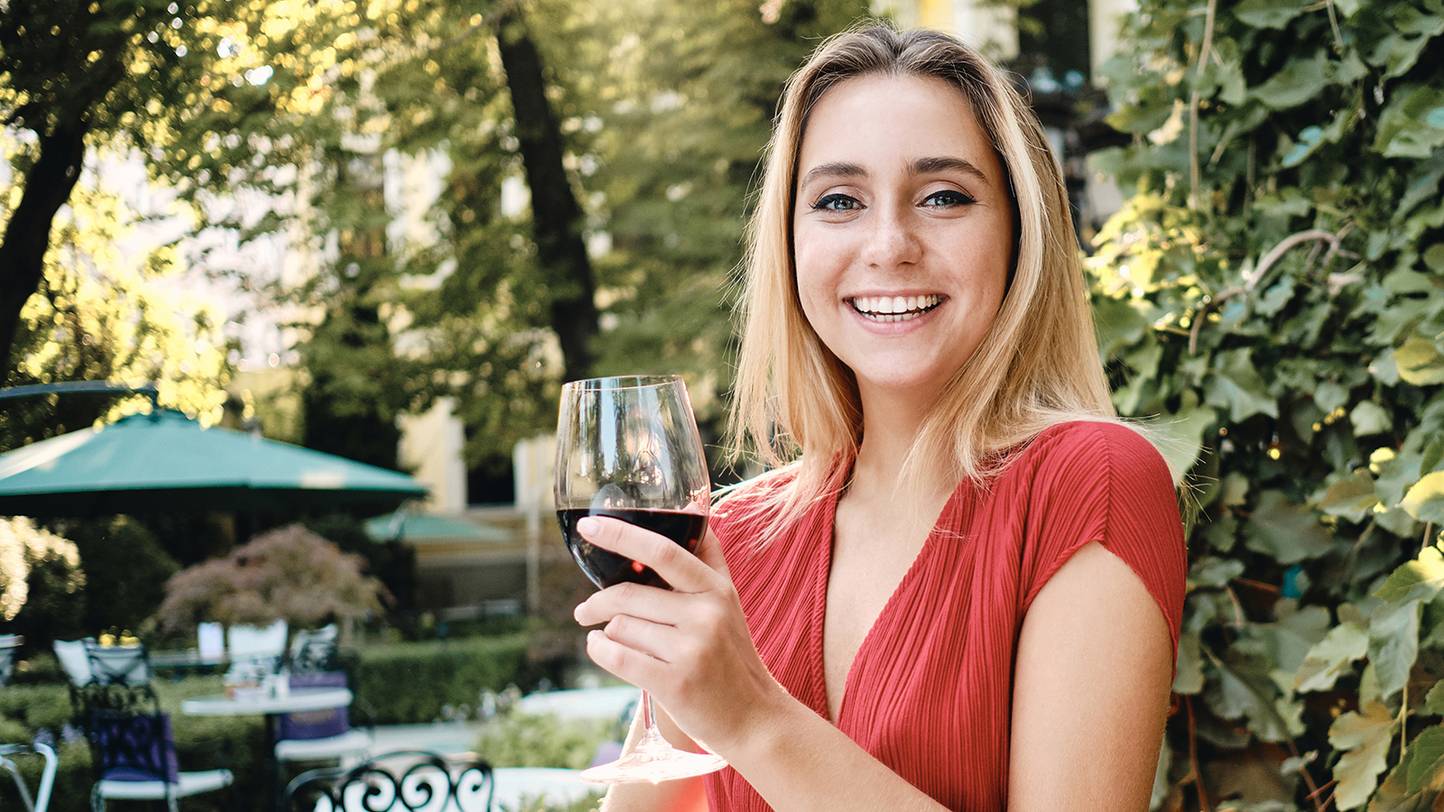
x=99 y=316
x=288 y=574
x=128 y=570
x=40 y=583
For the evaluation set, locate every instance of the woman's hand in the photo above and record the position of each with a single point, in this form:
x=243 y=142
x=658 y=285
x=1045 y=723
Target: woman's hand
x=688 y=647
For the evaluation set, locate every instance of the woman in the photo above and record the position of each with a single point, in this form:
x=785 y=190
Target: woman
x=965 y=593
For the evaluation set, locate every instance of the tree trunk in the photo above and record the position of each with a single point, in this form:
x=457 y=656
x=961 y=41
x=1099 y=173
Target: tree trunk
x=27 y=236
x=556 y=217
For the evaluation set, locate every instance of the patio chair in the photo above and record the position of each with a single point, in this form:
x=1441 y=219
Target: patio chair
x=40 y=802
x=324 y=735
x=124 y=665
x=256 y=648
x=400 y=781
x=8 y=644
x=313 y=651
x=132 y=749
x=73 y=660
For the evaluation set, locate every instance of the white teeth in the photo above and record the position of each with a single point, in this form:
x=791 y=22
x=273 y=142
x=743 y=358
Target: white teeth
x=884 y=308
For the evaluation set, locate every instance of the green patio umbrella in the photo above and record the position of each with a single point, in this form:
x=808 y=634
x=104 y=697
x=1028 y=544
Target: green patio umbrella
x=165 y=462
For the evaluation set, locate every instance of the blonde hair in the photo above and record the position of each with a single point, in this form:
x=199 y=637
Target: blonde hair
x=795 y=402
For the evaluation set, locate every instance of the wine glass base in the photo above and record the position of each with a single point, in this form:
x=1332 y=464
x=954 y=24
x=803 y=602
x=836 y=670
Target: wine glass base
x=645 y=766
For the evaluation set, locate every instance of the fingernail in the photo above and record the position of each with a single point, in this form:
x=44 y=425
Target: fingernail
x=593 y=635
x=577 y=612
x=588 y=526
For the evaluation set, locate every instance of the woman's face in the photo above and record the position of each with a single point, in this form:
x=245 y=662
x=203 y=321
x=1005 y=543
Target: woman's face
x=903 y=230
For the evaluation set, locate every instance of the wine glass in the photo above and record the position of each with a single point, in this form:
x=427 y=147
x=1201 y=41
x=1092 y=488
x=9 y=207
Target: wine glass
x=628 y=448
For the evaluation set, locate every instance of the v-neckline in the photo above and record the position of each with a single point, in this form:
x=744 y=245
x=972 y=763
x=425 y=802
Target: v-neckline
x=823 y=586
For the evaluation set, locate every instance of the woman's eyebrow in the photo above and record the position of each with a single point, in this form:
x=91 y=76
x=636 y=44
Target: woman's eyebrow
x=840 y=169
x=947 y=163
x=921 y=166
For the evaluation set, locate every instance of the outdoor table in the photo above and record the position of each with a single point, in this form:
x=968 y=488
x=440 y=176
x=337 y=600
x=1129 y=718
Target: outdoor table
x=549 y=785
x=297 y=700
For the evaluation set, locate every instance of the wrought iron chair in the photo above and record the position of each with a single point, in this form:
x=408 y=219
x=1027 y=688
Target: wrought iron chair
x=41 y=800
x=123 y=665
x=132 y=749
x=400 y=781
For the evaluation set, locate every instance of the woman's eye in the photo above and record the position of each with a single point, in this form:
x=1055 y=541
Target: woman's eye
x=836 y=202
x=946 y=198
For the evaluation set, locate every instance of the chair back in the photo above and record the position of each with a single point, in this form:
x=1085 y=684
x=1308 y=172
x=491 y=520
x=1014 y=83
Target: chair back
x=400 y=781
x=124 y=665
x=73 y=660
x=313 y=650
x=321 y=724
x=8 y=644
x=130 y=739
x=257 y=644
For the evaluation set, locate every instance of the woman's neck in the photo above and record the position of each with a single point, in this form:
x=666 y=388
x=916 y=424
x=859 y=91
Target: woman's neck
x=891 y=422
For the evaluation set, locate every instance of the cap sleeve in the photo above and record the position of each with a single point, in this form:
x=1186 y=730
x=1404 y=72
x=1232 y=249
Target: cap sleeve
x=1105 y=482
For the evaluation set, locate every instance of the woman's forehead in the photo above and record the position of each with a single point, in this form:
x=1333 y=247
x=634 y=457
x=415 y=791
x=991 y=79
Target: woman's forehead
x=889 y=123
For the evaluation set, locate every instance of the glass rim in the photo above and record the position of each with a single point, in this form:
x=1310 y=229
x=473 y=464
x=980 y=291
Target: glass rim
x=613 y=383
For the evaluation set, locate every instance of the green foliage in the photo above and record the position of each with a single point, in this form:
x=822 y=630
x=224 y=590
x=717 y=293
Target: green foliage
x=101 y=316
x=130 y=570
x=1274 y=289
x=413 y=683
x=526 y=740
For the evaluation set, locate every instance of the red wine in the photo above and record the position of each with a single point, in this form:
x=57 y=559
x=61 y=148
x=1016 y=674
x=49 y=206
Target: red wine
x=607 y=568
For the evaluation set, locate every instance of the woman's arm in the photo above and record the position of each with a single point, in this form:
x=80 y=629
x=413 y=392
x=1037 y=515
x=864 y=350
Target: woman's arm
x=1090 y=690
x=691 y=649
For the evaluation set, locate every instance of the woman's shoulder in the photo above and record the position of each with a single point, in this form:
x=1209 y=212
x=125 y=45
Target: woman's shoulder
x=1086 y=450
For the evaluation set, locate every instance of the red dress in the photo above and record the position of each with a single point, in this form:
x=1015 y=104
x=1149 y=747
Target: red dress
x=929 y=692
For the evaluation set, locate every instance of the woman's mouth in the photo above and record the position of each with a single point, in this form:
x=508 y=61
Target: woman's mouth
x=889 y=309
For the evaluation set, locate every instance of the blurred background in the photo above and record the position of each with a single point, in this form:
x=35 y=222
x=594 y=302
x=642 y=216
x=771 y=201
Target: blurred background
x=387 y=230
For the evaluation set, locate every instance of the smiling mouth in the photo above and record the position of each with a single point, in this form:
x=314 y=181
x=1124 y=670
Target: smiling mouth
x=886 y=309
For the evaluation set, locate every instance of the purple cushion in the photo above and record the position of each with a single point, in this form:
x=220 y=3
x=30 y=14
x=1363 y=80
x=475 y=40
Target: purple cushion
x=322 y=724
x=134 y=747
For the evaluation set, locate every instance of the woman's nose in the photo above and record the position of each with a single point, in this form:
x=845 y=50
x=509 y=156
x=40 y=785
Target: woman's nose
x=891 y=243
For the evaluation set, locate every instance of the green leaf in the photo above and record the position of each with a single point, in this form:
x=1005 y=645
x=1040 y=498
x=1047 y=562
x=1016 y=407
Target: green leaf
x=1420 y=362
x=1365 y=736
x=1425 y=499
x=1434 y=700
x=1268 y=13
x=1332 y=657
x=1237 y=387
x=1393 y=644
x=1284 y=531
x=1288 y=641
x=1420 y=579
x=1188 y=679
x=1213 y=572
x=1369 y=418
x=1412 y=125
x=1330 y=396
x=1184 y=431
x=1245 y=692
x=1300 y=80
x=1352 y=497
x=1425 y=753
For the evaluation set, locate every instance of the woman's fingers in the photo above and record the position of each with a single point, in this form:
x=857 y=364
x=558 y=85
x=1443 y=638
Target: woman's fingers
x=656 y=640
x=679 y=568
x=622 y=661
x=638 y=600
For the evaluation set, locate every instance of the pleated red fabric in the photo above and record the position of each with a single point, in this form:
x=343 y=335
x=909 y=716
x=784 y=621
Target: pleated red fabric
x=930 y=689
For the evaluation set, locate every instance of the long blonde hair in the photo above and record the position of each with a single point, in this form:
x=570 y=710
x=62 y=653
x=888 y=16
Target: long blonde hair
x=795 y=402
